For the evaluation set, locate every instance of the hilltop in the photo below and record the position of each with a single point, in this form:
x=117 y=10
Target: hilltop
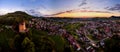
x=16 y=14
x=11 y=18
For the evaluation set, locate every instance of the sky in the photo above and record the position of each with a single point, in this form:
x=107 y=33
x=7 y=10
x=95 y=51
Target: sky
x=62 y=8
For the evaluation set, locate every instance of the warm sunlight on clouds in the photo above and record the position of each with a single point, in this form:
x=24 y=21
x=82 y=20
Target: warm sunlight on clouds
x=62 y=8
x=85 y=14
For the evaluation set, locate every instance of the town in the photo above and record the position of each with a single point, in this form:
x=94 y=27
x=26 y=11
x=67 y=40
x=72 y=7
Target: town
x=92 y=33
x=36 y=34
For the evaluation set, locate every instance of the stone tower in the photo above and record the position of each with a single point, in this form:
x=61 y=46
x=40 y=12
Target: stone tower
x=22 y=26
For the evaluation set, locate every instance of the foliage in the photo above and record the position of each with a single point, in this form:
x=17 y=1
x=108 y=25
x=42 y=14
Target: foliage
x=59 y=42
x=15 y=17
x=112 y=44
x=28 y=45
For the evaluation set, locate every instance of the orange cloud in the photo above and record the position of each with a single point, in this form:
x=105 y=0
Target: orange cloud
x=84 y=13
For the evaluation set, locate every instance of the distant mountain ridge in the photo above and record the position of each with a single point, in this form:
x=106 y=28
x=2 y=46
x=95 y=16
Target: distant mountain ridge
x=115 y=16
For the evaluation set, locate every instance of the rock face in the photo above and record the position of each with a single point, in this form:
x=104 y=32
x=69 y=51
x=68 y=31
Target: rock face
x=22 y=27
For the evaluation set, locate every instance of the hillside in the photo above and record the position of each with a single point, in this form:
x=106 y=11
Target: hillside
x=58 y=34
x=34 y=40
x=14 y=17
x=17 y=14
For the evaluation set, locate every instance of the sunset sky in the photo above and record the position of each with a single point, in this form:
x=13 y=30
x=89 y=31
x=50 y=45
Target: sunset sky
x=63 y=8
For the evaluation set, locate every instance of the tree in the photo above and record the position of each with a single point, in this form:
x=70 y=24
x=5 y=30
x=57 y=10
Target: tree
x=44 y=44
x=112 y=44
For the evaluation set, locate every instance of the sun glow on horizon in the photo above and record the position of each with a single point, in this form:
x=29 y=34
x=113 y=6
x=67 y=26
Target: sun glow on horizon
x=86 y=14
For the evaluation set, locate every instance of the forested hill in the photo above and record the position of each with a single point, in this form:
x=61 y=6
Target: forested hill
x=17 y=16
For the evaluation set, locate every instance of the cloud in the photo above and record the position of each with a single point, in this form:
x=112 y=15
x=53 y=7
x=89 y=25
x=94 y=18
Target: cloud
x=114 y=8
x=83 y=2
x=68 y=11
x=82 y=11
x=85 y=7
x=95 y=11
x=40 y=11
x=9 y=10
x=33 y=12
